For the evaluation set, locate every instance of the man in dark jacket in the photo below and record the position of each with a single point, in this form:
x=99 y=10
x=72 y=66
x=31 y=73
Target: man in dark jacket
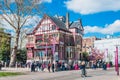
x=83 y=70
x=53 y=66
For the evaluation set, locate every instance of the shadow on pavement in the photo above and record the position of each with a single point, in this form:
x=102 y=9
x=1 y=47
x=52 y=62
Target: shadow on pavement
x=88 y=76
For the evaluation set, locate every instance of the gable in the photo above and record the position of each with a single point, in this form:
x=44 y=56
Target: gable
x=77 y=24
x=59 y=23
x=46 y=24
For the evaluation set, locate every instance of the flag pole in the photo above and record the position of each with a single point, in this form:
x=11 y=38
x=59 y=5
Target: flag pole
x=116 y=61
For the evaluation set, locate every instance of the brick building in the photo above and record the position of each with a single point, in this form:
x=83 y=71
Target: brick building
x=55 y=39
x=88 y=44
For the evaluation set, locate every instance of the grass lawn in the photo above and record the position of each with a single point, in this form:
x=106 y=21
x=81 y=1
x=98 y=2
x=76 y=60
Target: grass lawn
x=2 y=74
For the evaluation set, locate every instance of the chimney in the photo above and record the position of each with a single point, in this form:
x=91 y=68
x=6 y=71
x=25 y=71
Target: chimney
x=67 y=20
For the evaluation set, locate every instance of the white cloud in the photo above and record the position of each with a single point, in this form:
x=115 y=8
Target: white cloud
x=33 y=21
x=92 y=6
x=49 y=1
x=108 y=29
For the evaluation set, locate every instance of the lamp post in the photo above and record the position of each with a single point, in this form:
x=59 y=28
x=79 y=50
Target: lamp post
x=116 y=61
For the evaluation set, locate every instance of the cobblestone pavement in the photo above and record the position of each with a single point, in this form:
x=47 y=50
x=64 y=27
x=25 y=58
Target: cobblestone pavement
x=97 y=74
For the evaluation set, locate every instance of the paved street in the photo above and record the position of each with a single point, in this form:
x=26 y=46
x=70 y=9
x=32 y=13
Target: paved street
x=98 y=74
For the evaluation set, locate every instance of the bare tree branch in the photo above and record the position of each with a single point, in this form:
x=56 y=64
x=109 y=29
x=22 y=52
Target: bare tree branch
x=6 y=4
x=24 y=22
x=23 y=11
x=8 y=17
x=8 y=21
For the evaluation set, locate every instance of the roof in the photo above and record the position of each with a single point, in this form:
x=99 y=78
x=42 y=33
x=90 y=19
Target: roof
x=58 y=22
x=76 y=24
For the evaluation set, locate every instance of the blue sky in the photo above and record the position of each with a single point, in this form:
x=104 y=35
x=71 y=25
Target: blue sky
x=99 y=17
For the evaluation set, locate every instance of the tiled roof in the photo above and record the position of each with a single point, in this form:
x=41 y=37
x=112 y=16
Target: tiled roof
x=76 y=24
x=58 y=22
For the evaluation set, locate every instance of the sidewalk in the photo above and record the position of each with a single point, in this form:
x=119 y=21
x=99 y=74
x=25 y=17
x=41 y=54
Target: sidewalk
x=111 y=75
x=98 y=74
x=34 y=75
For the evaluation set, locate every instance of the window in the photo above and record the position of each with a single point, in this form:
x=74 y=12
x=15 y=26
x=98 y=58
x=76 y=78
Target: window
x=39 y=41
x=55 y=35
x=53 y=27
x=39 y=37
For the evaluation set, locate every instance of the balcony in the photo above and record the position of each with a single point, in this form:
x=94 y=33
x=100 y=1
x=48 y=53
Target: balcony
x=29 y=45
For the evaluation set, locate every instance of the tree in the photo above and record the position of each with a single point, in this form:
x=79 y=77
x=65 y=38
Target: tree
x=4 y=45
x=85 y=56
x=96 y=54
x=16 y=13
x=21 y=55
x=22 y=38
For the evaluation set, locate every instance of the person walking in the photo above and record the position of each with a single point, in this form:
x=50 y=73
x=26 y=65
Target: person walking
x=53 y=66
x=83 y=69
x=43 y=66
x=49 y=65
x=33 y=67
x=104 y=66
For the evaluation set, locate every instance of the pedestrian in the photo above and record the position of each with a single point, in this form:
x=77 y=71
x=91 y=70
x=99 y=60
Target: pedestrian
x=94 y=65
x=63 y=66
x=66 y=66
x=104 y=66
x=0 y=65
x=83 y=69
x=108 y=65
x=53 y=66
x=56 y=66
x=43 y=66
x=33 y=67
x=76 y=66
x=38 y=66
x=49 y=65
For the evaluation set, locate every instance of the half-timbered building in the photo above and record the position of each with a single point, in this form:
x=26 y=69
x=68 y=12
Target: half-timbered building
x=55 y=39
